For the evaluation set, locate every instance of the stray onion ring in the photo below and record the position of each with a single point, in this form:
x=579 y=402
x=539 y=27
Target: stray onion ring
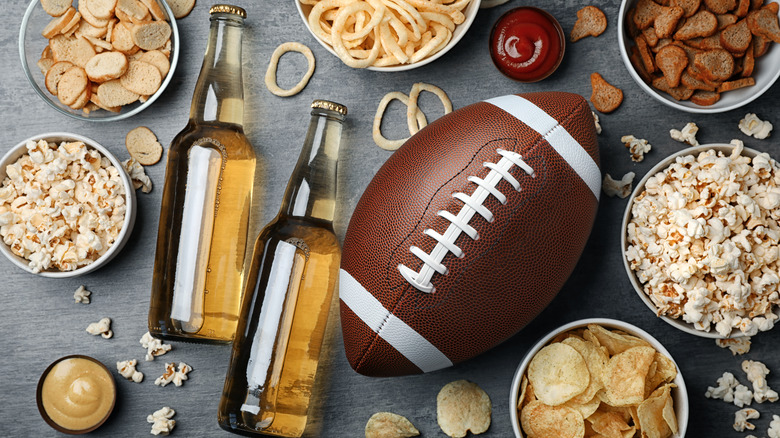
x=379 y=139
x=412 y=107
x=270 y=74
x=415 y=118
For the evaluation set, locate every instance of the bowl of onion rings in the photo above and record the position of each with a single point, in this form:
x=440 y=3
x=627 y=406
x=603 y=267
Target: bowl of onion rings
x=387 y=35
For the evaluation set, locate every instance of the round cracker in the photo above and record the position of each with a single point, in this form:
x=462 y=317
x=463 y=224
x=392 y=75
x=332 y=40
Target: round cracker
x=462 y=406
x=143 y=146
x=558 y=373
x=71 y=85
x=56 y=8
x=141 y=78
x=181 y=8
x=157 y=59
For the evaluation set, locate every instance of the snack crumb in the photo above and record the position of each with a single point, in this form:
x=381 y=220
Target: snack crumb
x=81 y=295
x=620 y=188
x=638 y=147
x=162 y=422
x=102 y=328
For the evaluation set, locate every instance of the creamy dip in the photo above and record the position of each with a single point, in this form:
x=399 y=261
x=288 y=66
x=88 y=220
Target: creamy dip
x=78 y=393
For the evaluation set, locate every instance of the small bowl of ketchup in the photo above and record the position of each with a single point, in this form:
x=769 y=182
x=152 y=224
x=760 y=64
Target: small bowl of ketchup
x=527 y=44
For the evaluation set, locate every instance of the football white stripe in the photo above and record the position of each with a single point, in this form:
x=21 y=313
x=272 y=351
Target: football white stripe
x=555 y=134
x=396 y=332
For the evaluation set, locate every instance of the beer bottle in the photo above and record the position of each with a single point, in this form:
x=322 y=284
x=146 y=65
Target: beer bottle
x=202 y=238
x=288 y=295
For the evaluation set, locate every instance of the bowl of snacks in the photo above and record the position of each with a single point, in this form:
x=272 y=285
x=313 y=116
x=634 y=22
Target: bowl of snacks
x=700 y=240
x=602 y=375
x=698 y=59
x=67 y=206
x=387 y=42
x=99 y=61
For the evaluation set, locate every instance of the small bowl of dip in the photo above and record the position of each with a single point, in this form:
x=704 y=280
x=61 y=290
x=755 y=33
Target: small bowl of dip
x=76 y=394
x=527 y=44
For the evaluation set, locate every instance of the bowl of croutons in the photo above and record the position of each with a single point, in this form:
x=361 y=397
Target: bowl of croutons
x=706 y=56
x=97 y=60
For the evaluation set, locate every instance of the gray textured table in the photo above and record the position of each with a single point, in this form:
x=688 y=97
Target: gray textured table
x=39 y=321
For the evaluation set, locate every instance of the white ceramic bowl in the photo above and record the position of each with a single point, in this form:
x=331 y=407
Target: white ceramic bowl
x=640 y=187
x=679 y=394
x=32 y=43
x=766 y=73
x=470 y=12
x=127 y=227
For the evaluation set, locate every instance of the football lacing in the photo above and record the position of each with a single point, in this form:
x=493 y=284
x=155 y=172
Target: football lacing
x=432 y=263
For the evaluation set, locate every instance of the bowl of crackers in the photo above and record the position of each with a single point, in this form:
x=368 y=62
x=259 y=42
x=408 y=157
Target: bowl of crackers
x=99 y=60
x=67 y=206
x=387 y=37
x=598 y=376
x=701 y=57
x=700 y=240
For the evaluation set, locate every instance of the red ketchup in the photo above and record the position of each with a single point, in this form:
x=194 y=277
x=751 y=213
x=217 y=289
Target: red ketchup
x=527 y=44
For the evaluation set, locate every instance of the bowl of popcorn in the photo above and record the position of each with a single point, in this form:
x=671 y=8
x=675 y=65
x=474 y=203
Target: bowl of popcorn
x=99 y=60
x=384 y=36
x=701 y=58
x=700 y=240
x=600 y=375
x=67 y=206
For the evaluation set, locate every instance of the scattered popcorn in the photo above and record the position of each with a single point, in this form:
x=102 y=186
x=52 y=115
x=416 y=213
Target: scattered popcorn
x=736 y=345
x=162 y=424
x=742 y=396
x=704 y=241
x=596 y=119
x=687 y=135
x=61 y=207
x=621 y=188
x=81 y=295
x=752 y=125
x=756 y=374
x=154 y=347
x=102 y=328
x=741 y=418
x=138 y=175
x=637 y=146
x=725 y=389
x=774 y=427
x=173 y=375
x=127 y=369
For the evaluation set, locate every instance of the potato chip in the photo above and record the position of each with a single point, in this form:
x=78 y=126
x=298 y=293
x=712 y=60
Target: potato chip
x=462 y=406
x=651 y=414
x=609 y=424
x=624 y=377
x=615 y=341
x=596 y=359
x=390 y=425
x=662 y=370
x=668 y=413
x=523 y=388
x=542 y=421
x=558 y=373
x=585 y=409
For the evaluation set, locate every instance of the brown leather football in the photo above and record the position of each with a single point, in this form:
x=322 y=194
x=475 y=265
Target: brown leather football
x=467 y=232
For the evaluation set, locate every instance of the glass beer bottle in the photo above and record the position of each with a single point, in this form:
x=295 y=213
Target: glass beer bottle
x=288 y=295
x=204 y=219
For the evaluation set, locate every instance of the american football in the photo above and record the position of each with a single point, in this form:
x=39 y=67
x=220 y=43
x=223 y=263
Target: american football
x=467 y=232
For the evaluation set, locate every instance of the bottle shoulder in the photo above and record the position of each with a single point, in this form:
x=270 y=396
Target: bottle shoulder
x=231 y=138
x=312 y=231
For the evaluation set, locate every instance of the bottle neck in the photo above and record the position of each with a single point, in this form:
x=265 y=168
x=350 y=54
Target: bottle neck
x=311 y=192
x=219 y=92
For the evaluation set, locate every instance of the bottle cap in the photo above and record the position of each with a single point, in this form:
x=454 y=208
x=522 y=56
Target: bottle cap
x=328 y=105
x=228 y=9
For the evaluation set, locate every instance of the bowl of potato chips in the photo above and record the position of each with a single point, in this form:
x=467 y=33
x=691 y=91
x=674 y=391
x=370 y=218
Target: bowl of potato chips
x=387 y=36
x=600 y=376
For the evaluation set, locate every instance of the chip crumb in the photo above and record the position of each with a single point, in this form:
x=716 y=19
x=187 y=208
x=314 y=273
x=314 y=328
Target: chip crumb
x=81 y=295
x=390 y=425
x=736 y=345
x=620 y=188
x=462 y=406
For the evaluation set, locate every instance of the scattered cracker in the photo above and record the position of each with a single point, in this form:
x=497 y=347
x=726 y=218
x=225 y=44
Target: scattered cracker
x=143 y=146
x=390 y=425
x=181 y=8
x=605 y=97
x=591 y=21
x=462 y=406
